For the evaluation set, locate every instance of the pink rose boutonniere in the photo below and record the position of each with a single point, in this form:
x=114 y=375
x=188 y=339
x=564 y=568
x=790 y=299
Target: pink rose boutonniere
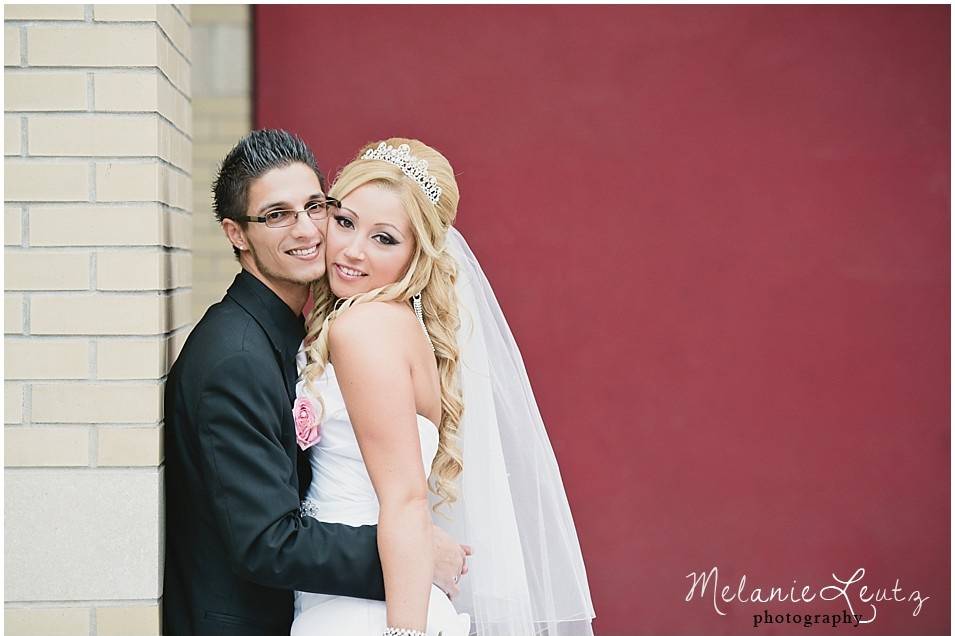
x=306 y=423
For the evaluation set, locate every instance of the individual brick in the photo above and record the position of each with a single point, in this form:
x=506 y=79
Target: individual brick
x=12 y=402
x=39 y=358
x=11 y=136
x=44 y=12
x=44 y=91
x=126 y=91
x=46 y=446
x=175 y=106
x=135 y=224
x=131 y=358
x=174 y=146
x=180 y=303
x=124 y=12
x=97 y=45
x=99 y=314
x=11 y=46
x=178 y=230
x=94 y=135
x=141 y=620
x=41 y=270
x=97 y=403
x=132 y=270
x=27 y=180
x=128 y=446
x=49 y=621
x=12 y=231
x=128 y=181
x=13 y=313
x=180 y=269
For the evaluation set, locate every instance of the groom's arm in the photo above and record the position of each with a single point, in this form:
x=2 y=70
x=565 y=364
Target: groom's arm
x=252 y=489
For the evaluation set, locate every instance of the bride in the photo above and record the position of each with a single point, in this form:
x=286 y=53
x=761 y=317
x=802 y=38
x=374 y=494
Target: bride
x=411 y=378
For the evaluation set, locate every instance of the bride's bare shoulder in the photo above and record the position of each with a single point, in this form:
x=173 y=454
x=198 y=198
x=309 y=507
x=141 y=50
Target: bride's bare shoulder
x=373 y=322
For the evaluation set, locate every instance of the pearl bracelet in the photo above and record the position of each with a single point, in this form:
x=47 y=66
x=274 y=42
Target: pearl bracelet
x=396 y=631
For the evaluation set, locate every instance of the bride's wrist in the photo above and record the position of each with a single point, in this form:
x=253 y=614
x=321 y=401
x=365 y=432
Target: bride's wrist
x=400 y=631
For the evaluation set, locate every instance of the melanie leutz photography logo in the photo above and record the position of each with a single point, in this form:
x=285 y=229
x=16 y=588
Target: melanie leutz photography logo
x=856 y=603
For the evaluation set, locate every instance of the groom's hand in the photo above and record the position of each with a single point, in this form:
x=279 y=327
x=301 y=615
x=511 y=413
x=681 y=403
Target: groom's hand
x=450 y=562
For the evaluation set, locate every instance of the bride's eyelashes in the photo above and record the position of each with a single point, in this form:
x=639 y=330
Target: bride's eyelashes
x=344 y=221
x=384 y=238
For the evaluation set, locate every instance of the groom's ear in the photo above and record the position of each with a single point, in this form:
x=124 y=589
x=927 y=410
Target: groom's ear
x=236 y=234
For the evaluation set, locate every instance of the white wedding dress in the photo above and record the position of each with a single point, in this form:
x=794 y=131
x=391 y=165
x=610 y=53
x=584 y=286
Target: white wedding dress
x=341 y=492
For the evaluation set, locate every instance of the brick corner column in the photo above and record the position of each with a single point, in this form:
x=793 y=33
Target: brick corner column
x=98 y=165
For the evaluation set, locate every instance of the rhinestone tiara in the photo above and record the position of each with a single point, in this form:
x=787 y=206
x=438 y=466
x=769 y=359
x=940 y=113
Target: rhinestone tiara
x=417 y=169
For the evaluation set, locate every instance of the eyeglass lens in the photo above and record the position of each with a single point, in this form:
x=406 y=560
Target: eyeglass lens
x=317 y=211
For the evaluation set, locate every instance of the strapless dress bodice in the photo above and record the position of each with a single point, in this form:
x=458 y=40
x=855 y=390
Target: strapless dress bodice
x=341 y=490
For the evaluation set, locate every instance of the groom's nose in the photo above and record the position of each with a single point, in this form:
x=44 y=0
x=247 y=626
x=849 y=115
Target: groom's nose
x=305 y=226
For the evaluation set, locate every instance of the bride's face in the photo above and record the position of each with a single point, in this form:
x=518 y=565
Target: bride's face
x=369 y=242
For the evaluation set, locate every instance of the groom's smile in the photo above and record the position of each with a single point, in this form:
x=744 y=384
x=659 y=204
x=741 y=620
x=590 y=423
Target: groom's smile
x=305 y=253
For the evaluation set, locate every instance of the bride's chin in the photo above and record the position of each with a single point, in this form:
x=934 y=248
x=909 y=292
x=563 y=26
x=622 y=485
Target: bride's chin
x=344 y=291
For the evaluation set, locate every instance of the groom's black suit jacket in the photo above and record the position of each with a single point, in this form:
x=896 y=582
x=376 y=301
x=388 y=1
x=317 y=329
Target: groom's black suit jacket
x=235 y=543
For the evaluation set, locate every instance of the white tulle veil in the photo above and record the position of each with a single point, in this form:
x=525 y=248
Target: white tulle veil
x=527 y=575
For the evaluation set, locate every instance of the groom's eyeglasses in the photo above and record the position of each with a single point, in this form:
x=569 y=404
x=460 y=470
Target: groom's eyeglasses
x=316 y=210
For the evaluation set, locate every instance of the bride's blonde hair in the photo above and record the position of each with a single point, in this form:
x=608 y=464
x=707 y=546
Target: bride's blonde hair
x=431 y=273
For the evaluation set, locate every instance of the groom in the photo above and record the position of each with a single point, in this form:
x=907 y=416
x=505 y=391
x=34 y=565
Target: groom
x=235 y=543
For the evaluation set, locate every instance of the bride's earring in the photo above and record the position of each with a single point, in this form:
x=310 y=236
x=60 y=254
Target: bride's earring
x=416 y=303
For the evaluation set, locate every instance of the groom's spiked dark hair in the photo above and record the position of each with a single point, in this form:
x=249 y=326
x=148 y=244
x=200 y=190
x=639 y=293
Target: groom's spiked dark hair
x=254 y=155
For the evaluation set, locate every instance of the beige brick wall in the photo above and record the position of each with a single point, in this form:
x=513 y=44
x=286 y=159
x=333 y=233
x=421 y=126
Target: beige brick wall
x=98 y=272
x=222 y=111
x=129 y=620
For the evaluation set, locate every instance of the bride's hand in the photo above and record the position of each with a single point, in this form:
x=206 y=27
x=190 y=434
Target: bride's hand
x=450 y=562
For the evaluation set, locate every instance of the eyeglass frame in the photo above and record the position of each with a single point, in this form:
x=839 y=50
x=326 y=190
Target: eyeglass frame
x=328 y=201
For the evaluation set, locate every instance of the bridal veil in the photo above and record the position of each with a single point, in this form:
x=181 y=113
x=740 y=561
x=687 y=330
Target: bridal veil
x=527 y=576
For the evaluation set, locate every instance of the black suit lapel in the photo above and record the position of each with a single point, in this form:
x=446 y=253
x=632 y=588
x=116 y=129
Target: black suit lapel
x=284 y=329
x=291 y=374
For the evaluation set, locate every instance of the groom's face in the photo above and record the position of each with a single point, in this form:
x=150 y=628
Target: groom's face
x=284 y=258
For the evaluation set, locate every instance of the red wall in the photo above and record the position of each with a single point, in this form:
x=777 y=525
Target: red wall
x=721 y=237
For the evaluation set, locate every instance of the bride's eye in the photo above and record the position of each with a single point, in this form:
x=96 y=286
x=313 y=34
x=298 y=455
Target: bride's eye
x=385 y=239
x=344 y=222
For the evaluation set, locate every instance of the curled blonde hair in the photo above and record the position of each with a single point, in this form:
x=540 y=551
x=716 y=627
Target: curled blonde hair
x=431 y=273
